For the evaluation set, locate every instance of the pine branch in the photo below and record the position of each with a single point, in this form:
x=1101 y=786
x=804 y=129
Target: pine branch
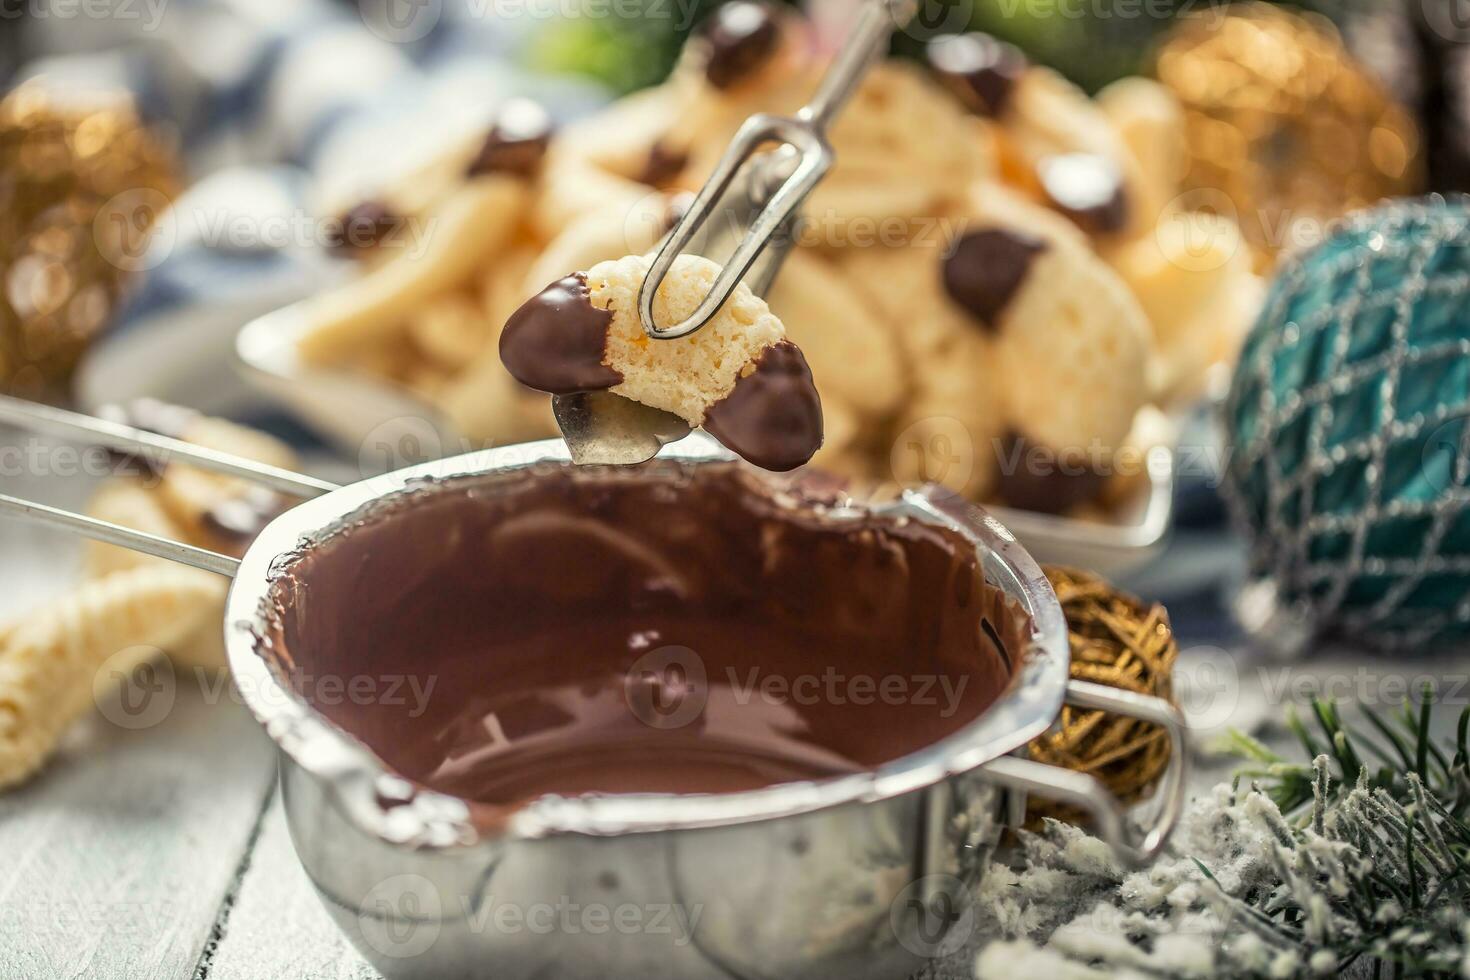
x=1297 y=869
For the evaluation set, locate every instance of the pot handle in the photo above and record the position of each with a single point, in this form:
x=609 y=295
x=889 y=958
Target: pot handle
x=1089 y=793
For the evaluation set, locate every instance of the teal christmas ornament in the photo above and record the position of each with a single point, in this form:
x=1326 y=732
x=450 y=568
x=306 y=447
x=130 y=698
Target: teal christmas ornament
x=1346 y=426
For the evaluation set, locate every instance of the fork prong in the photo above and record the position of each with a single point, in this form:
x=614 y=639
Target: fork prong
x=757 y=131
x=125 y=537
x=46 y=419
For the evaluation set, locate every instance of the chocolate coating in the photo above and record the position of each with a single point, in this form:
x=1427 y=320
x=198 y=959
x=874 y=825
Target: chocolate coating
x=556 y=341
x=741 y=35
x=981 y=71
x=652 y=629
x=772 y=417
x=1086 y=188
x=516 y=143
x=1038 y=478
x=235 y=521
x=985 y=268
x=663 y=165
x=151 y=415
x=364 y=226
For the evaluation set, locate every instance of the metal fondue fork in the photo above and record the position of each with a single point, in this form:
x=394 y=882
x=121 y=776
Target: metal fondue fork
x=125 y=438
x=761 y=196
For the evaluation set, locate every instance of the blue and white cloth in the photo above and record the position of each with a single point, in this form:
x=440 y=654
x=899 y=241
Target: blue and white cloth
x=282 y=109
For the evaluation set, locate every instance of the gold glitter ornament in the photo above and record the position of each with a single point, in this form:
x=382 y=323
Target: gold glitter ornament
x=1119 y=641
x=1284 y=128
x=81 y=185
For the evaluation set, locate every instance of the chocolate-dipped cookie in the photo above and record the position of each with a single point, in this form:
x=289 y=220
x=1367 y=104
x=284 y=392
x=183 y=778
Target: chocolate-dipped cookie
x=738 y=376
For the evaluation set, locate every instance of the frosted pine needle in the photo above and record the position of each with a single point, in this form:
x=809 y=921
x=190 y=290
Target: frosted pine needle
x=1295 y=871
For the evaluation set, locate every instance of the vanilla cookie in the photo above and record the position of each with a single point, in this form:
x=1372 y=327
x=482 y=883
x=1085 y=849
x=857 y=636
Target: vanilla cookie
x=128 y=503
x=595 y=164
x=746 y=57
x=489 y=407
x=49 y=661
x=1069 y=343
x=738 y=376
x=1054 y=142
x=903 y=286
x=606 y=232
x=451 y=330
x=1195 y=280
x=511 y=146
x=179 y=503
x=852 y=352
x=947 y=432
x=903 y=150
x=224 y=513
x=466 y=231
x=1149 y=119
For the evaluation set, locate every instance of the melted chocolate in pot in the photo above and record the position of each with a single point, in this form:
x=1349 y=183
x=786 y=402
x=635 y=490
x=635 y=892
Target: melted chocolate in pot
x=658 y=629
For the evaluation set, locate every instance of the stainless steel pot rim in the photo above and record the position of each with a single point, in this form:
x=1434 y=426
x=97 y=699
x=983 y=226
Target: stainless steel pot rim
x=384 y=804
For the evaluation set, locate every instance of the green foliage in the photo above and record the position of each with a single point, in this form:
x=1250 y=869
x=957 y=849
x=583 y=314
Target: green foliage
x=1373 y=855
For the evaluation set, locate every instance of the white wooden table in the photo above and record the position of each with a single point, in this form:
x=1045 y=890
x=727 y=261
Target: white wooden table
x=161 y=852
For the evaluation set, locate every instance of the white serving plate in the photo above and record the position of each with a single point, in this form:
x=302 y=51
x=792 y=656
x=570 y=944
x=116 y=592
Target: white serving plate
x=382 y=425
x=1135 y=537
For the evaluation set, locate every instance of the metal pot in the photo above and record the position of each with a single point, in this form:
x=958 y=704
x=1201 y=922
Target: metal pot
x=858 y=876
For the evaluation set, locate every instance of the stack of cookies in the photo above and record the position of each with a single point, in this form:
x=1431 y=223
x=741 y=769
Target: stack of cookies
x=996 y=284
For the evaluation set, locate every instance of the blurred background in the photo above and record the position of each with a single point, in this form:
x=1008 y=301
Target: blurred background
x=258 y=107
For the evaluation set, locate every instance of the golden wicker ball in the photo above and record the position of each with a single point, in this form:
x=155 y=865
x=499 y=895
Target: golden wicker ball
x=1283 y=124
x=80 y=184
x=1123 y=642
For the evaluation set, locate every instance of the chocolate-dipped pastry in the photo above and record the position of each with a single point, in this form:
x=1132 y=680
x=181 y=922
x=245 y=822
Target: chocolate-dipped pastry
x=740 y=36
x=362 y=227
x=664 y=163
x=151 y=415
x=980 y=70
x=1041 y=479
x=557 y=340
x=1086 y=188
x=516 y=143
x=772 y=417
x=630 y=630
x=985 y=268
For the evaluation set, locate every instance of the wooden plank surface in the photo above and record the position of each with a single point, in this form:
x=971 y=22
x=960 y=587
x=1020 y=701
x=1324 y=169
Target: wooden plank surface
x=114 y=860
x=276 y=926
